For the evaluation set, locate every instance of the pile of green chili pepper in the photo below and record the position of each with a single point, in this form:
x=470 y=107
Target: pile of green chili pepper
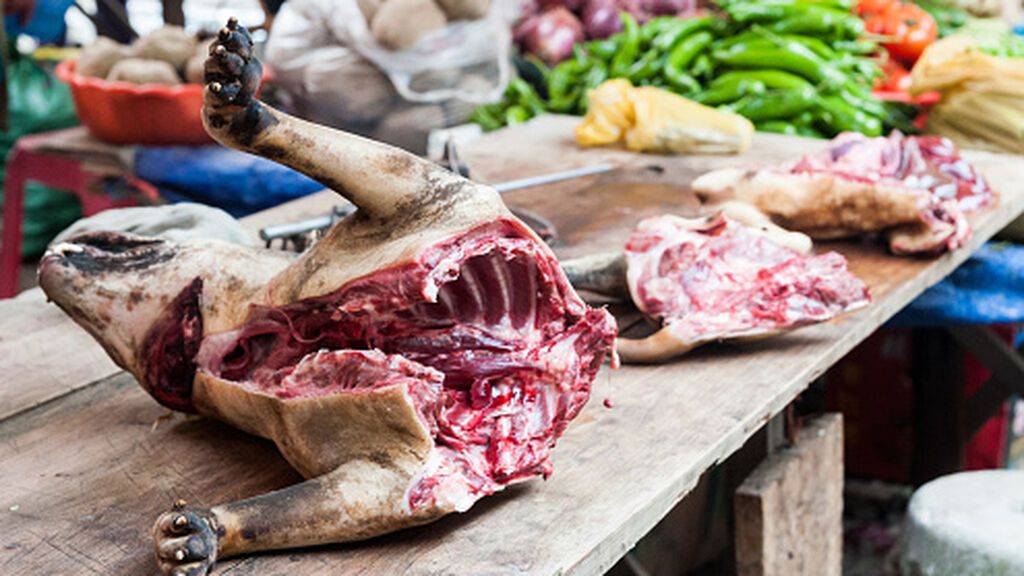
x=790 y=66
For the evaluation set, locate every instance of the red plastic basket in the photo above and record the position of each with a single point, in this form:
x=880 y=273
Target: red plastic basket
x=127 y=113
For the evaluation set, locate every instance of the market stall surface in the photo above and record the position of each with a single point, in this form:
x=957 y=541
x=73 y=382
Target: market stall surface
x=89 y=460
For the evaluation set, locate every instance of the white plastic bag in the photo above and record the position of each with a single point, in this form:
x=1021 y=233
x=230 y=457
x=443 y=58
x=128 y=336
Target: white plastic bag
x=465 y=60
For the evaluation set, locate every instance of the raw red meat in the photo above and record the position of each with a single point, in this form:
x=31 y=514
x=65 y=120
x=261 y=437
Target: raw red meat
x=715 y=279
x=487 y=318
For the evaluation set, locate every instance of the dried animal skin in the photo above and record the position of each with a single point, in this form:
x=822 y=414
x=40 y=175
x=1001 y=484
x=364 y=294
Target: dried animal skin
x=427 y=352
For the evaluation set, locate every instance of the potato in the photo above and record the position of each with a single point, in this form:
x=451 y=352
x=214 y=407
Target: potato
x=195 y=69
x=144 y=71
x=465 y=9
x=398 y=24
x=98 y=58
x=369 y=8
x=170 y=44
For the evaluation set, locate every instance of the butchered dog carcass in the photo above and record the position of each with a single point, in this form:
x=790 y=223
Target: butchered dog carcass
x=428 y=351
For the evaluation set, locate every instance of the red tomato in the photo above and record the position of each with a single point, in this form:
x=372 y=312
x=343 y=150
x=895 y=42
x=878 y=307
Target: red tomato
x=910 y=27
x=866 y=7
x=897 y=78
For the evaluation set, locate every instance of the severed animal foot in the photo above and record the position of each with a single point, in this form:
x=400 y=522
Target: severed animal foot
x=186 y=541
x=233 y=76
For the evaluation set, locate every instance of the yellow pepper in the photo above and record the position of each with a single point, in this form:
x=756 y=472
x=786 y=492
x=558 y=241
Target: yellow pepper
x=649 y=119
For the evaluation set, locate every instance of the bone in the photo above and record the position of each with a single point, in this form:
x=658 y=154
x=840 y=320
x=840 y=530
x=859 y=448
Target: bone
x=342 y=506
x=658 y=347
x=759 y=222
x=380 y=179
x=603 y=274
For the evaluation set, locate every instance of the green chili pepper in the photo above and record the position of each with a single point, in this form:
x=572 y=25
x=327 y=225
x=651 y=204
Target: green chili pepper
x=776 y=79
x=581 y=55
x=678 y=62
x=816 y=45
x=671 y=36
x=595 y=77
x=730 y=91
x=521 y=91
x=703 y=66
x=841 y=117
x=683 y=54
x=646 y=67
x=681 y=82
x=858 y=47
x=486 y=118
x=778 y=127
x=565 y=103
x=791 y=57
x=563 y=77
x=772 y=10
x=516 y=114
x=819 y=21
x=775 y=105
x=601 y=49
x=629 y=47
x=860 y=97
x=655 y=26
x=808 y=132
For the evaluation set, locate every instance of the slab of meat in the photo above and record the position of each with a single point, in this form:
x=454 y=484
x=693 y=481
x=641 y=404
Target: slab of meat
x=710 y=279
x=915 y=189
x=428 y=351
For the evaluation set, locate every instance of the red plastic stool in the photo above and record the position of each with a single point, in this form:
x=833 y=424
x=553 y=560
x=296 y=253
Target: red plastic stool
x=28 y=163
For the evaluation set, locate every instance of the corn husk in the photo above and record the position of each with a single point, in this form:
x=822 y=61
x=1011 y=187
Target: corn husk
x=982 y=103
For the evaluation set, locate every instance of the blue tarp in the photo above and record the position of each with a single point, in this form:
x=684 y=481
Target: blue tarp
x=234 y=181
x=986 y=289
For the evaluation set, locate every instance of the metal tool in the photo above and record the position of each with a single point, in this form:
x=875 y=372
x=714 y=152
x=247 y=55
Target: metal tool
x=298 y=236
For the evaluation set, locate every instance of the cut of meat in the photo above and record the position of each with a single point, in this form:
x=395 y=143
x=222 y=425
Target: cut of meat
x=714 y=279
x=915 y=188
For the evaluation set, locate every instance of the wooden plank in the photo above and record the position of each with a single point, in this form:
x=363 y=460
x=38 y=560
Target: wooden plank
x=43 y=354
x=789 y=511
x=617 y=471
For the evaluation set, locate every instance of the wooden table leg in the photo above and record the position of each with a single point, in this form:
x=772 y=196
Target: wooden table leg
x=14 y=206
x=789 y=510
x=65 y=174
x=939 y=427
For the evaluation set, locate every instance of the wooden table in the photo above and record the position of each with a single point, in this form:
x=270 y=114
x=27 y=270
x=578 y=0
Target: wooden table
x=89 y=460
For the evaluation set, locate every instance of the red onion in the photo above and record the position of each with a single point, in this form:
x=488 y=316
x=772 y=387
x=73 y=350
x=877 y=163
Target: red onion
x=668 y=7
x=601 y=18
x=550 y=35
x=573 y=5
